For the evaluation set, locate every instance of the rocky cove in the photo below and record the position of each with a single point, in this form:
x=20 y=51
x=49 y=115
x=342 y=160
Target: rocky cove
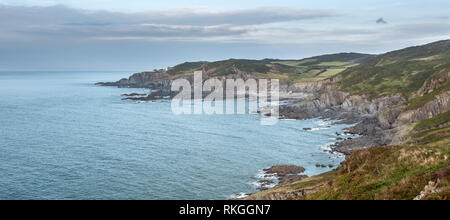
x=301 y=101
x=375 y=122
x=379 y=121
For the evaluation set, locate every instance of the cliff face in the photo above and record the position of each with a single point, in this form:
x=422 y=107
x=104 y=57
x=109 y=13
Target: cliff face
x=387 y=94
x=437 y=106
x=325 y=100
x=143 y=80
x=376 y=117
x=431 y=100
x=384 y=120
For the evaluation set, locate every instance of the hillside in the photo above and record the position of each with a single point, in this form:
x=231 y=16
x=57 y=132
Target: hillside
x=305 y=70
x=418 y=169
x=399 y=72
x=287 y=71
x=399 y=101
x=402 y=101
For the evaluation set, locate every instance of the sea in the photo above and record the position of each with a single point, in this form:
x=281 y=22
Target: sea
x=63 y=137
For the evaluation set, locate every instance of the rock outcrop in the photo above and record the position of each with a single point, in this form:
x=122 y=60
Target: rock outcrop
x=284 y=173
x=439 y=105
x=152 y=80
x=382 y=121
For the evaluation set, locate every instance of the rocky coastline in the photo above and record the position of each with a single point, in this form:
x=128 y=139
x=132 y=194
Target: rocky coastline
x=375 y=121
x=316 y=100
x=320 y=99
x=382 y=116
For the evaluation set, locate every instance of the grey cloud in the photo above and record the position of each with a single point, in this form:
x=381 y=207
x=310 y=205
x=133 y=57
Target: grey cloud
x=144 y=31
x=61 y=21
x=443 y=17
x=424 y=28
x=354 y=35
x=235 y=17
x=414 y=32
x=381 y=21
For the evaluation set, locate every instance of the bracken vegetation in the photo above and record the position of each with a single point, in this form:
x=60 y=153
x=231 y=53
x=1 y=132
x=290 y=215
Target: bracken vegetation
x=392 y=172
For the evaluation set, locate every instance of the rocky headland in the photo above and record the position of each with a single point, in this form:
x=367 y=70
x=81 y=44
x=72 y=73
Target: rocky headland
x=385 y=96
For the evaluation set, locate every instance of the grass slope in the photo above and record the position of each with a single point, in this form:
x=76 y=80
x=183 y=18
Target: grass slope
x=399 y=72
x=432 y=123
x=389 y=173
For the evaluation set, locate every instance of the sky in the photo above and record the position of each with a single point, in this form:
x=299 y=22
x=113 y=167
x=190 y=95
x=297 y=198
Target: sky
x=139 y=35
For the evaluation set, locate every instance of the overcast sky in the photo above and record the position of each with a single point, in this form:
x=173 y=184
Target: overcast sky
x=140 y=35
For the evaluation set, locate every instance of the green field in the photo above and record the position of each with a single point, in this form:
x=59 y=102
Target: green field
x=331 y=72
x=304 y=70
x=335 y=64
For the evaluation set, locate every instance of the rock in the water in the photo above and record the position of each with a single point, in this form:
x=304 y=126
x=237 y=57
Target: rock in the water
x=321 y=165
x=283 y=170
x=133 y=94
x=157 y=95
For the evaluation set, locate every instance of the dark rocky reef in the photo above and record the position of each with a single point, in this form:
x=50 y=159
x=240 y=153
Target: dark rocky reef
x=284 y=173
x=284 y=170
x=133 y=95
x=157 y=95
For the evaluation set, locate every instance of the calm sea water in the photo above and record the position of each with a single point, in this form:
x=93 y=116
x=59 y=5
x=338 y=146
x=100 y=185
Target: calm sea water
x=62 y=137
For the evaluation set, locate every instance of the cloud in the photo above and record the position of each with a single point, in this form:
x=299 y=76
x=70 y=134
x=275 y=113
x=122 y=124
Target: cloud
x=261 y=25
x=381 y=21
x=414 y=33
x=62 y=22
x=58 y=26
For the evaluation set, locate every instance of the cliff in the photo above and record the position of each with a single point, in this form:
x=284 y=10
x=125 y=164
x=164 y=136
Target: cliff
x=386 y=94
x=369 y=93
x=402 y=99
x=389 y=96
